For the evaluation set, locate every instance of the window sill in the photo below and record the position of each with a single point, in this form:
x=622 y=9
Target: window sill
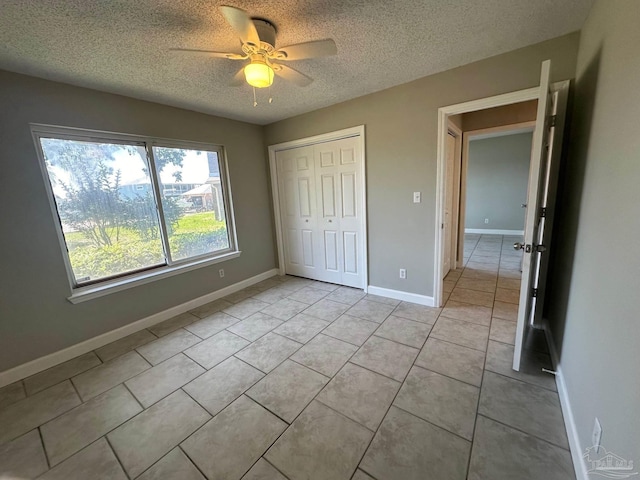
x=82 y=294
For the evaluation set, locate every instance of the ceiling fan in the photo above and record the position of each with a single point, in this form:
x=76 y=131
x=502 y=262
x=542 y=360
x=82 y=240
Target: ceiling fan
x=258 y=39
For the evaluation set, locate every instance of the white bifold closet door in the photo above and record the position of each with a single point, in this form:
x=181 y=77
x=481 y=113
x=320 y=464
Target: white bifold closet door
x=321 y=208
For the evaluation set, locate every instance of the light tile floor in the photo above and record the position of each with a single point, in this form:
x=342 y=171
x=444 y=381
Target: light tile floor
x=297 y=379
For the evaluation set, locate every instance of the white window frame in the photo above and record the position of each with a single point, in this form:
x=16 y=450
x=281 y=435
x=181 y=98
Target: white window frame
x=81 y=293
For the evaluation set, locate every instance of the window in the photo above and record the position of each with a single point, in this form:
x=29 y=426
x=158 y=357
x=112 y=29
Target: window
x=131 y=207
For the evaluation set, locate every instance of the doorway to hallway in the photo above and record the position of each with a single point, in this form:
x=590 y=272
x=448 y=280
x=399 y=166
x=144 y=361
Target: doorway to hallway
x=542 y=182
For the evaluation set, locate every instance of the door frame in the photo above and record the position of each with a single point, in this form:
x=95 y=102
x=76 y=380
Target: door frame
x=443 y=128
x=358 y=132
x=457 y=133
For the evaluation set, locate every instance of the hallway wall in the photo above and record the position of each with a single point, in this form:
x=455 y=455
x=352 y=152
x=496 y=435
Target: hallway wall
x=498 y=116
x=497 y=178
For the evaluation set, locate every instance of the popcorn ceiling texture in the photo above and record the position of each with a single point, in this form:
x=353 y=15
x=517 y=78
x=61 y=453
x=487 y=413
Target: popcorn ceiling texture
x=122 y=46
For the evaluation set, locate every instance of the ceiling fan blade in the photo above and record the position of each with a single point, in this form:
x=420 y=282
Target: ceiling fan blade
x=300 y=51
x=242 y=23
x=238 y=79
x=210 y=53
x=292 y=75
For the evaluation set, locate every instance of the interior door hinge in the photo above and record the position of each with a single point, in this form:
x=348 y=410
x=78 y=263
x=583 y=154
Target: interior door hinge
x=552 y=120
x=543 y=212
x=534 y=292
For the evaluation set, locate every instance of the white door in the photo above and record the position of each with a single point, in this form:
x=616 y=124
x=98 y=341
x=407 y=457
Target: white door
x=448 y=204
x=330 y=190
x=298 y=210
x=545 y=156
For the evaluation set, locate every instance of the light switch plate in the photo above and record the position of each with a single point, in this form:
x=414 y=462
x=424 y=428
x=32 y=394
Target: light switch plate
x=417 y=197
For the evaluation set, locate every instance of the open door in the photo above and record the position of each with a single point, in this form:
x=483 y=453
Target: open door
x=545 y=230
x=543 y=172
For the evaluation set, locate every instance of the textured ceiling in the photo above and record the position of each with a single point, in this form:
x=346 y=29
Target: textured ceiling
x=122 y=46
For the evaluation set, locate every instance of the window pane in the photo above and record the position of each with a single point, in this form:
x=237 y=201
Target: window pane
x=106 y=207
x=192 y=201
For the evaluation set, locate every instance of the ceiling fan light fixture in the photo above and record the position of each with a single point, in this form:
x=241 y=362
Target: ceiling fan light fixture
x=258 y=73
x=258 y=39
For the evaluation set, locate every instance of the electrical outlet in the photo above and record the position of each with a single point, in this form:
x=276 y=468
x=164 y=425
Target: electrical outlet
x=221 y=272
x=596 y=436
x=486 y=220
x=403 y=273
x=417 y=197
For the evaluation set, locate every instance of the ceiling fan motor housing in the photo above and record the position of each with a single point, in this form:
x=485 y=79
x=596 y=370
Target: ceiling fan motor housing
x=266 y=31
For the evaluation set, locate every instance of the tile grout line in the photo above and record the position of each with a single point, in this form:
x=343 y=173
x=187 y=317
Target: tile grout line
x=522 y=381
x=44 y=450
x=108 y=432
x=404 y=344
x=184 y=439
x=75 y=389
x=27 y=395
x=536 y=437
x=439 y=427
x=276 y=468
x=134 y=395
x=115 y=454
x=280 y=363
x=203 y=407
x=448 y=376
x=179 y=447
x=460 y=344
x=143 y=409
x=484 y=369
x=53 y=418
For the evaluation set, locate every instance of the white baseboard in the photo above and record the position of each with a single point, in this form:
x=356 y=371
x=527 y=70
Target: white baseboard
x=399 y=295
x=491 y=231
x=39 y=364
x=569 y=422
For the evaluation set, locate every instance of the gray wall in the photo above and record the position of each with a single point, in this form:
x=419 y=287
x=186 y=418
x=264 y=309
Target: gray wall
x=401 y=130
x=35 y=316
x=593 y=306
x=497 y=177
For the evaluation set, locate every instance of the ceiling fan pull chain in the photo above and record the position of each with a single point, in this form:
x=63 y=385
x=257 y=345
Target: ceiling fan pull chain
x=255 y=102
